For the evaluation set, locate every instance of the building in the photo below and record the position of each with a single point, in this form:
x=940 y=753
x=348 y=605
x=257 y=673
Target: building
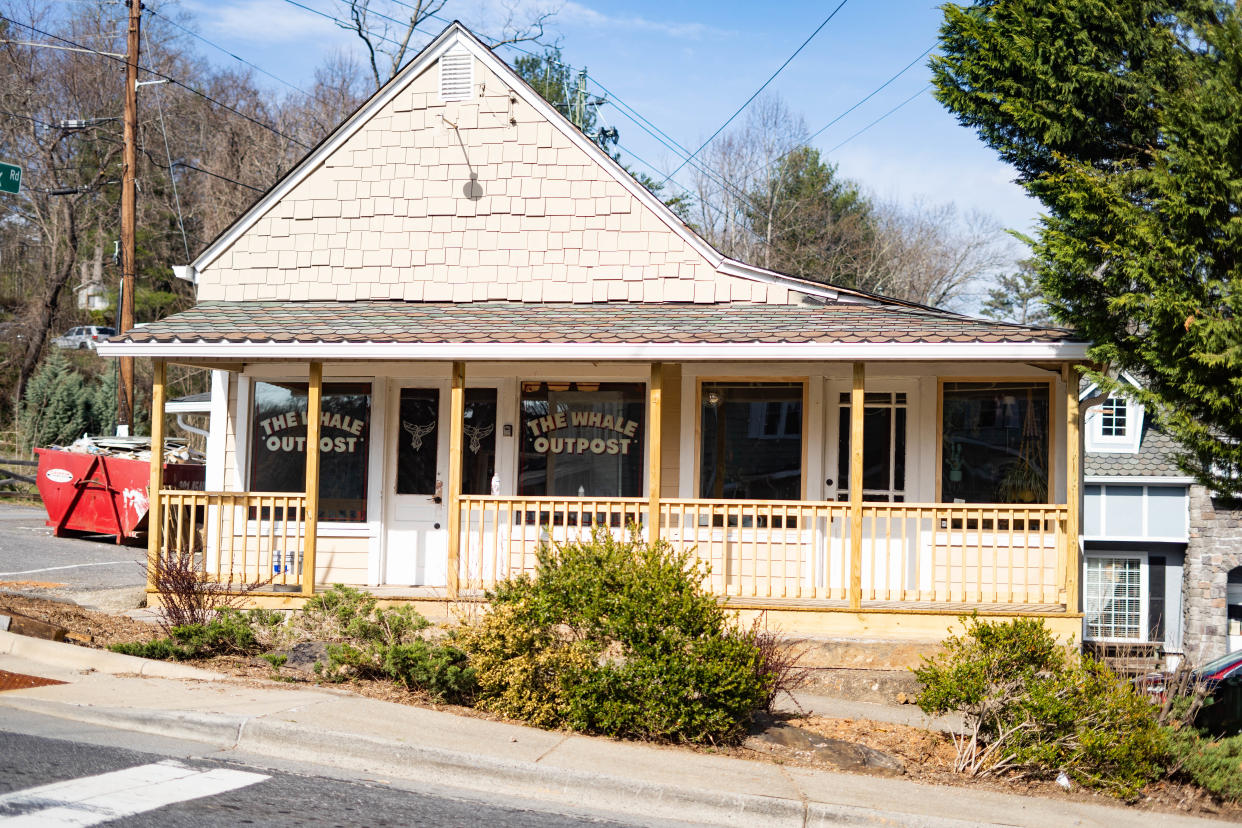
x=479 y=332
x=1162 y=564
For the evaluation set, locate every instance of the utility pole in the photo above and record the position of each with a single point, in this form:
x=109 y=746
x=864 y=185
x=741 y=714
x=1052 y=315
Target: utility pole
x=579 y=109
x=125 y=395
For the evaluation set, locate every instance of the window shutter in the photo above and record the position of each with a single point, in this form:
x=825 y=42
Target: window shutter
x=456 y=76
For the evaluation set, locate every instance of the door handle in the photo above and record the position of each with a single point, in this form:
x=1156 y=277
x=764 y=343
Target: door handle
x=828 y=482
x=437 y=499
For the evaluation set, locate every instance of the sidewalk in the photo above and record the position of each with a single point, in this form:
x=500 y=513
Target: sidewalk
x=634 y=781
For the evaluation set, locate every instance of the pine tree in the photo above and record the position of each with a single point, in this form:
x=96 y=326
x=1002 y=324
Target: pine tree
x=1018 y=297
x=56 y=407
x=1125 y=119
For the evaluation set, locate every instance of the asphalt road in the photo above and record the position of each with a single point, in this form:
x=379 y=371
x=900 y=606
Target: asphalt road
x=90 y=570
x=40 y=751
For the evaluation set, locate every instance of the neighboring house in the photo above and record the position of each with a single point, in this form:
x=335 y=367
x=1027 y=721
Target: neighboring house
x=478 y=332
x=1160 y=554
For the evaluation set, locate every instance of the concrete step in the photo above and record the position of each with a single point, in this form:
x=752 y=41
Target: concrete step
x=864 y=670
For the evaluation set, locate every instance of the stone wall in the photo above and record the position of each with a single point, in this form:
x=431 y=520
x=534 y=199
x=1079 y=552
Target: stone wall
x=1215 y=548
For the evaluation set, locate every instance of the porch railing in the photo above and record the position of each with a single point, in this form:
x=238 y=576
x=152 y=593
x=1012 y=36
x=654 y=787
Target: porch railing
x=245 y=540
x=938 y=555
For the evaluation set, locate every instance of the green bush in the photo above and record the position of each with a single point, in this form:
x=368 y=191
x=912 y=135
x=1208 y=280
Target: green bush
x=1030 y=706
x=377 y=643
x=1214 y=765
x=616 y=637
x=229 y=633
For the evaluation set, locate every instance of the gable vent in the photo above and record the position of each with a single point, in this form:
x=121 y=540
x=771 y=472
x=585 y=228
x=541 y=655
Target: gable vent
x=456 y=76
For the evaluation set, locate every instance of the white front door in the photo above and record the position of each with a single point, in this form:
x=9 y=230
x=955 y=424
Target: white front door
x=416 y=548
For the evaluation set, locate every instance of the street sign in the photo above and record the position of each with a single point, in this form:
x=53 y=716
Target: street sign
x=10 y=178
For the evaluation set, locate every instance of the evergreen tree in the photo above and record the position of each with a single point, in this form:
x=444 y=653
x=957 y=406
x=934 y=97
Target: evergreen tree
x=1018 y=297
x=56 y=408
x=1125 y=119
x=811 y=222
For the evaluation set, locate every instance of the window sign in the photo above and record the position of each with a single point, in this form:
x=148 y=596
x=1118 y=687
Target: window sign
x=278 y=445
x=751 y=441
x=582 y=439
x=995 y=442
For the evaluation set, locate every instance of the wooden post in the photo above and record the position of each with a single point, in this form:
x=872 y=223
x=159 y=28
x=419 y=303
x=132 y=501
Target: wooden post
x=1073 y=492
x=155 y=518
x=457 y=421
x=129 y=210
x=858 y=402
x=655 y=425
x=310 y=521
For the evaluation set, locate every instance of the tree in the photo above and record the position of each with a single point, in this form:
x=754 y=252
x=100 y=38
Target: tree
x=1122 y=117
x=1018 y=297
x=389 y=31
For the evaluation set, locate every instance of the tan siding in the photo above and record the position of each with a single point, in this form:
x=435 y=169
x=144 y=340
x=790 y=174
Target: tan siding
x=342 y=561
x=388 y=216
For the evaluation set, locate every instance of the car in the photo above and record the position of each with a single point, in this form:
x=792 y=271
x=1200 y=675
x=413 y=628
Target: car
x=1222 y=679
x=83 y=337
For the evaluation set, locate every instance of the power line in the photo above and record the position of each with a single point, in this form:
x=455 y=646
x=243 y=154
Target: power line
x=118 y=142
x=253 y=66
x=159 y=103
x=168 y=78
x=881 y=118
x=771 y=78
x=831 y=123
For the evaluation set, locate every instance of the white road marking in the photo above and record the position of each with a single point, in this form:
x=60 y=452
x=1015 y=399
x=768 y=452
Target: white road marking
x=95 y=799
x=70 y=566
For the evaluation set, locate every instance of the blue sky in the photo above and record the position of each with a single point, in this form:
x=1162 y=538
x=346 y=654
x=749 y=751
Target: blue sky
x=686 y=66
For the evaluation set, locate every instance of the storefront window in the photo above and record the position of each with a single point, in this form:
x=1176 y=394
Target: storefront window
x=995 y=442
x=751 y=441
x=278 y=445
x=582 y=439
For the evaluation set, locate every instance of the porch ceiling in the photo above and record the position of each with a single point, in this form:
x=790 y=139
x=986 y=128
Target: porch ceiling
x=600 y=324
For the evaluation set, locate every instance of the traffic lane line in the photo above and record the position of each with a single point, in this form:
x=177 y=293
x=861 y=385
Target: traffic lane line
x=93 y=800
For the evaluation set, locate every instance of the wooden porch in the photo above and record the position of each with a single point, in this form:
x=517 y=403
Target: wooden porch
x=854 y=555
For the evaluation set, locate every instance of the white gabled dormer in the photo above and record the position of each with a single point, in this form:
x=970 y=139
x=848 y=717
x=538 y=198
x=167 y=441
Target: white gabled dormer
x=1116 y=425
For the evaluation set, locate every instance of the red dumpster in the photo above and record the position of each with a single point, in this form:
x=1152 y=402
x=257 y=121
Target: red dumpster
x=102 y=493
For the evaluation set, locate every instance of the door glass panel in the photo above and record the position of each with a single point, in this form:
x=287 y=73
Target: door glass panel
x=478 y=456
x=884 y=447
x=418 y=440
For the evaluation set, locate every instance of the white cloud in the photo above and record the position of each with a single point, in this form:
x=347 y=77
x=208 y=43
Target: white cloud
x=575 y=13
x=267 y=21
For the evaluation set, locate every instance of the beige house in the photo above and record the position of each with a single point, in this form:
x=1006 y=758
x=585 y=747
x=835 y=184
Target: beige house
x=478 y=333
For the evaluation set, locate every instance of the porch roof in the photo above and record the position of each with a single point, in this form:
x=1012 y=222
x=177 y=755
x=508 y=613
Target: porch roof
x=235 y=327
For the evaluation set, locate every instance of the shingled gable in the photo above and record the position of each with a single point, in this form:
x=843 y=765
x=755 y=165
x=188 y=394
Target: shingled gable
x=493 y=198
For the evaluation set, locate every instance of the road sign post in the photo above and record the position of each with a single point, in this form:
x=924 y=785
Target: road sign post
x=10 y=178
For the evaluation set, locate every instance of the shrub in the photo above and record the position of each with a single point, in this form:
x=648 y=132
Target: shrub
x=617 y=637
x=1215 y=766
x=1030 y=706
x=229 y=633
x=377 y=643
x=188 y=596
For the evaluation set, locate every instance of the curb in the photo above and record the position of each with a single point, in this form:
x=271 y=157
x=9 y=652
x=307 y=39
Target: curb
x=103 y=661
x=530 y=781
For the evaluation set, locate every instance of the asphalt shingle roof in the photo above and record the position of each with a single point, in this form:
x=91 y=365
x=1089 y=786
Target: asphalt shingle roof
x=515 y=322
x=1153 y=459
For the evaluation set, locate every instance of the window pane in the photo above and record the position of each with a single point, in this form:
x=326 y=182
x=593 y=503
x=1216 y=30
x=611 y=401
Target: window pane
x=995 y=442
x=1113 y=418
x=1112 y=598
x=478 y=456
x=278 y=445
x=582 y=439
x=1123 y=511
x=1166 y=511
x=740 y=456
x=884 y=446
x=418 y=443
x=877 y=445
